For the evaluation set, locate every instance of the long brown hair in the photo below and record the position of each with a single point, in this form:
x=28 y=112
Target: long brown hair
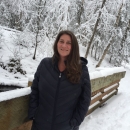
x=73 y=65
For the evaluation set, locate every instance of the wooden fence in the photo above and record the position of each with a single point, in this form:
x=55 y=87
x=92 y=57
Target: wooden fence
x=14 y=112
x=104 y=88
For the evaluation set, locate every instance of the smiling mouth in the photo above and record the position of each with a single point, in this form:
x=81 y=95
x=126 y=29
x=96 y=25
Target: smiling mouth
x=63 y=50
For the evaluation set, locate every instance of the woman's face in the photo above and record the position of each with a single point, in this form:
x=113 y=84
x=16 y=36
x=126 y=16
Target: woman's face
x=64 y=46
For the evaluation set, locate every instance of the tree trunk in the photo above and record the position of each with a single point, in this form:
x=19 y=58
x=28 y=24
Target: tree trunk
x=96 y=49
x=104 y=53
x=118 y=17
x=122 y=43
x=34 y=56
x=38 y=28
x=80 y=11
x=92 y=51
x=95 y=28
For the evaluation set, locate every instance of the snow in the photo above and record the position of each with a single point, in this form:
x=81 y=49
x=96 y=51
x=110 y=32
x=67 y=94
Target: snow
x=100 y=72
x=114 y=115
x=21 y=82
x=9 y=29
x=30 y=78
x=14 y=94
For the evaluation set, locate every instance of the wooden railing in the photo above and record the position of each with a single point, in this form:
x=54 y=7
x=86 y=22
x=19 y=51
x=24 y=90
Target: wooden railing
x=104 y=88
x=14 y=111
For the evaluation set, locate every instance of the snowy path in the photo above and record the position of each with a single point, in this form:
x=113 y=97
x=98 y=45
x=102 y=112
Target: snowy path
x=115 y=115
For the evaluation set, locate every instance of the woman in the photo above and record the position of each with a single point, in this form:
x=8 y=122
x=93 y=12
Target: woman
x=61 y=90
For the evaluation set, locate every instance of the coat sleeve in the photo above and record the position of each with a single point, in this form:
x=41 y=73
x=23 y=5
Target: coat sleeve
x=84 y=100
x=33 y=101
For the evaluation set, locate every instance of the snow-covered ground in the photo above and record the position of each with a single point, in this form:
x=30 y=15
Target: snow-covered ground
x=115 y=115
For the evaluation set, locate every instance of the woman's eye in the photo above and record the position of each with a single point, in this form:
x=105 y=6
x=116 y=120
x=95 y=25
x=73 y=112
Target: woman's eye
x=68 y=42
x=61 y=42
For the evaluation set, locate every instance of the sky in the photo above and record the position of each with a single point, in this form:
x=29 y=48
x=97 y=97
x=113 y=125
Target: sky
x=114 y=115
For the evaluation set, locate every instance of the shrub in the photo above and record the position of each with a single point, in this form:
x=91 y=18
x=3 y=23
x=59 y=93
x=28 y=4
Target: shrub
x=13 y=66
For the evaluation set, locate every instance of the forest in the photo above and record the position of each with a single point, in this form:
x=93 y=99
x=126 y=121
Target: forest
x=101 y=26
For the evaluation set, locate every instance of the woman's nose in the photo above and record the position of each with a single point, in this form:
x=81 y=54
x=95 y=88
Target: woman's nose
x=64 y=44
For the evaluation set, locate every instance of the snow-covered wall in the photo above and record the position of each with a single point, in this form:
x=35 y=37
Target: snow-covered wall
x=14 y=103
x=97 y=78
x=104 y=77
x=13 y=112
x=101 y=71
x=8 y=95
x=101 y=77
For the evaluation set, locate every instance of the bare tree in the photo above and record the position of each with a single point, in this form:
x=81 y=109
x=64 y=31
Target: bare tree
x=95 y=28
x=122 y=44
x=112 y=38
x=105 y=52
x=38 y=20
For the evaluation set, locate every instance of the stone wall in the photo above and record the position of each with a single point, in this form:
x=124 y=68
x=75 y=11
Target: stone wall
x=13 y=112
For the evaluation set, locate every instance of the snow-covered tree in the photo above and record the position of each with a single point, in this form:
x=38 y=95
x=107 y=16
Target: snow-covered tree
x=101 y=26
